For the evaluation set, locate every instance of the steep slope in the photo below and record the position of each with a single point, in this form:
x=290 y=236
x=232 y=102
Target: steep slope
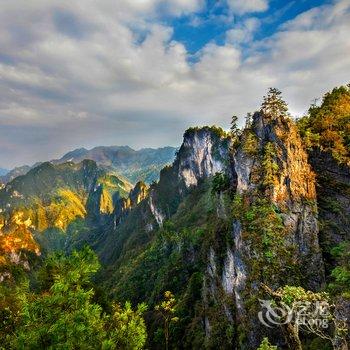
x=161 y=200
x=333 y=196
x=326 y=133
x=38 y=208
x=275 y=226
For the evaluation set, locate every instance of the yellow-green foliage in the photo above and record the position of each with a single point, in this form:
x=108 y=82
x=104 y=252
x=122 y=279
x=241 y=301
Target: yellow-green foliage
x=272 y=255
x=106 y=202
x=266 y=345
x=218 y=131
x=64 y=208
x=270 y=167
x=293 y=294
x=250 y=143
x=328 y=126
x=113 y=184
x=63 y=311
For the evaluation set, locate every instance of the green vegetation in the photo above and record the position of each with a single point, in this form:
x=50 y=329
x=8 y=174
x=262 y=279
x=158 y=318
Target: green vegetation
x=114 y=184
x=178 y=239
x=166 y=310
x=273 y=105
x=327 y=126
x=61 y=310
x=269 y=165
x=220 y=183
x=272 y=256
x=219 y=132
x=340 y=284
x=250 y=143
x=310 y=306
x=265 y=345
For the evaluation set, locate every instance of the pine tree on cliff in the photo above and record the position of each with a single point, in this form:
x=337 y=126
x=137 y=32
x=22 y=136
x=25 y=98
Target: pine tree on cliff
x=273 y=105
x=234 y=127
x=248 y=120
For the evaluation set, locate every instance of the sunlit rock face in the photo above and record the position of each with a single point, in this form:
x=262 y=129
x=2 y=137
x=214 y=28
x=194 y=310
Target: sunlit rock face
x=291 y=188
x=124 y=205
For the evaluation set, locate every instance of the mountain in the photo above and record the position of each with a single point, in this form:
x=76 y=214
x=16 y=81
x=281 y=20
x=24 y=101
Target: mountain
x=236 y=219
x=38 y=208
x=3 y=171
x=142 y=165
x=230 y=214
x=192 y=233
x=11 y=174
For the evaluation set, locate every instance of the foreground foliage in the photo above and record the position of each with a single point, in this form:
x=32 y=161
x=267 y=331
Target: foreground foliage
x=61 y=311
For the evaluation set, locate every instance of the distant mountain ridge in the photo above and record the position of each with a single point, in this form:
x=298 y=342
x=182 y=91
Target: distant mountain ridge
x=3 y=171
x=135 y=165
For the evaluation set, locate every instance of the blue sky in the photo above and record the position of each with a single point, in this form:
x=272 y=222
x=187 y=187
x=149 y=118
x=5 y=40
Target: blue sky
x=117 y=72
x=212 y=26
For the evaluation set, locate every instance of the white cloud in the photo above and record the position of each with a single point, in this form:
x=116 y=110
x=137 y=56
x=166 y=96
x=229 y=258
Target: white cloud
x=243 y=33
x=74 y=76
x=247 y=6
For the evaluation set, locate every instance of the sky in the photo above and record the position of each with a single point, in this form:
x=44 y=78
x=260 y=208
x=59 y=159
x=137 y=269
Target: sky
x=139 y=72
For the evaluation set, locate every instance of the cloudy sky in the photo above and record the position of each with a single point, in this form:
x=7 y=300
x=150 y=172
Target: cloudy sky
x=138 y=72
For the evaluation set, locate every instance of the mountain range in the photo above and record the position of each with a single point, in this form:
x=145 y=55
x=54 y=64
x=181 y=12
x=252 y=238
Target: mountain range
x=141 y=165
x=238 y=217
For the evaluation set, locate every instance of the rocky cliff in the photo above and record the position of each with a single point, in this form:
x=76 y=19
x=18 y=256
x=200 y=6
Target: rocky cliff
x=224 y=218
x=333 y=197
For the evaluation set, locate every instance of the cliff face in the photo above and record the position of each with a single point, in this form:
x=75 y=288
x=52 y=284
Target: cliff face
x=274 y=232
x=124 y=205
x=223 y=219
x=202 y=154
x=278 y=168
x=333 y=196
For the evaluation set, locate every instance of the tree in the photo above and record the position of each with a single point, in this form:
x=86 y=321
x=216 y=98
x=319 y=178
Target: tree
x=341 y=273
x=126 y=328
x=248 y=120
x=270 y=167
x=220 y=182
x=166 y=309
x=273 y=105
x=62 y=313
x=265 y=345
x=327 y=126
x=234 y=128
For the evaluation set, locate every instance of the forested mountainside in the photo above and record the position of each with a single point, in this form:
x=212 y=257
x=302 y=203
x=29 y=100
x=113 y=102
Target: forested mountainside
x=240 y=217
x=142 y=165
